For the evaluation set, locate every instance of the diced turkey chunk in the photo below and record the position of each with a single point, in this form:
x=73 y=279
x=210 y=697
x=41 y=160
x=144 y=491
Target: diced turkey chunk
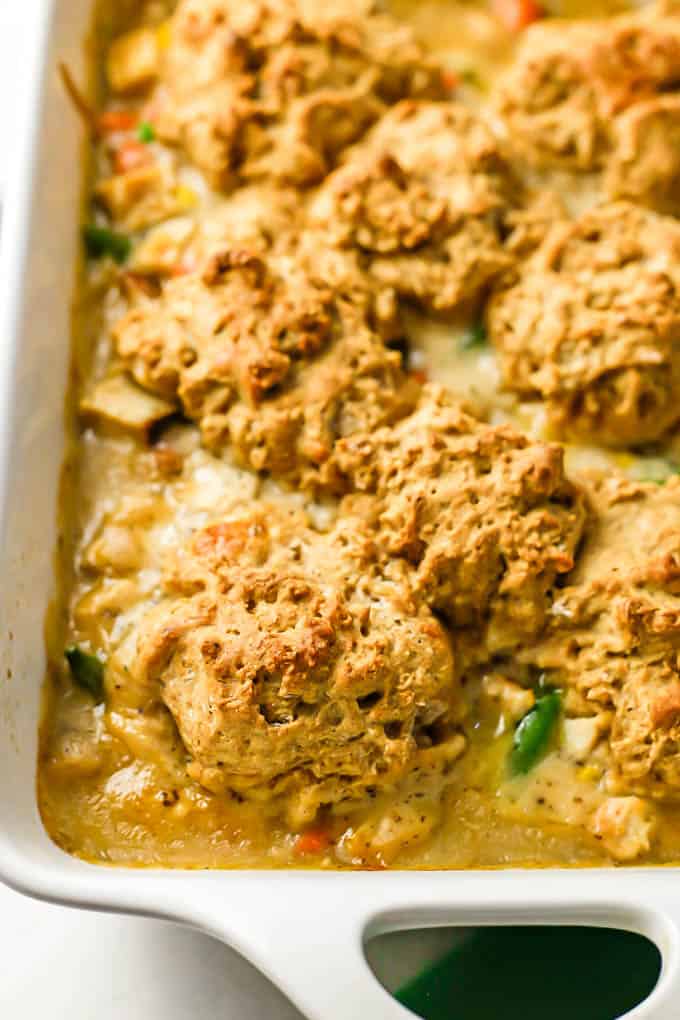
x=98 y=609
x=117 y=403
x=298 y=671
x=626 y=827
x=119 y=545
x=161 y=250
x=132 y=63
x=148 y=732
x=74 y=755
x=423 y=198
x=592 y=325
x=377 y=842
x=116 y=550
x=277 y=89
x=581 y=735
x=485 y=518
x=513 y=700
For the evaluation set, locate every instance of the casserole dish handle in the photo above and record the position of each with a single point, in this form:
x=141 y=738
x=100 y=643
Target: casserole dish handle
x=311 y=947
x=310 y=940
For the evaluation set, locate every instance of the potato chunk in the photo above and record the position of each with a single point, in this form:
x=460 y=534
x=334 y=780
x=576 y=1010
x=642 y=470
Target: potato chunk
x=140 y=198
x=117 y=404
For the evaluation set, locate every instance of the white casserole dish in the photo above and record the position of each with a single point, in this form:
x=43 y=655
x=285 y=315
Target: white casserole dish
x=305 y=930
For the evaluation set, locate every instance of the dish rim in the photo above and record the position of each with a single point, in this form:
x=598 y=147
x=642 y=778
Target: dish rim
x=315 y=952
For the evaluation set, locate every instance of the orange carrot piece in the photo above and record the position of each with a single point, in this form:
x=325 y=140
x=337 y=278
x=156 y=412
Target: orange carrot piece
x=130 y=156
x=117 y=120
x=517 y=14
x=187 y=264
x=313 y=841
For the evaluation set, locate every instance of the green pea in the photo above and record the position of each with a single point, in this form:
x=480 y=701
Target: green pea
x=146 y=133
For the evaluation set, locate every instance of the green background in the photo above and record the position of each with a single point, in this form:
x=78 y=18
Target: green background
x=537 y=974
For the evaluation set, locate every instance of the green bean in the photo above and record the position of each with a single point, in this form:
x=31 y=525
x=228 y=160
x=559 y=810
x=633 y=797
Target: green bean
x=533 y=733
x=475 y=336
x=87 y=671
x=100 y=241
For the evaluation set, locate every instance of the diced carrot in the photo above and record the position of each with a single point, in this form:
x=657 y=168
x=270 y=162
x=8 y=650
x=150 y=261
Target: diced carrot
x=130 y=156
x=419 y=375
x=313 y=841
x=117 y=120
x=186 y=265
x=517 y=14
x=450 y=80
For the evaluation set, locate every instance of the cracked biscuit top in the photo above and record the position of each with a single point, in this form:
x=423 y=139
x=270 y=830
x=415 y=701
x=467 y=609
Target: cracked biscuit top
x=296 y=668
x=276 y=89
x=591 y=324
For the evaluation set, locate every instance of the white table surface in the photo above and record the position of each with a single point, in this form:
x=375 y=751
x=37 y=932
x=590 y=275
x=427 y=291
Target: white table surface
x=71 y=965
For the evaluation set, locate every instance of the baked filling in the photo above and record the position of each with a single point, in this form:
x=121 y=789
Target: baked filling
x=371 y=518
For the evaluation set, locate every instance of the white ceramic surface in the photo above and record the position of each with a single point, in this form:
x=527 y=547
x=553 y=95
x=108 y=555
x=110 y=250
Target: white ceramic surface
x=12 y=39
x=69 y=964
x=305 y=931
x=65 y=964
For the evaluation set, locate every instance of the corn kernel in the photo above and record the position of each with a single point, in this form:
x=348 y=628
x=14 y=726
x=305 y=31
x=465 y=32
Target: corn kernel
x=589 y=774
x=624 y=460
x=185 y=197
x=164 y=34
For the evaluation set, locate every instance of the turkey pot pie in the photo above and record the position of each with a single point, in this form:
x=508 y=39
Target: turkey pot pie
x=370 y=524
